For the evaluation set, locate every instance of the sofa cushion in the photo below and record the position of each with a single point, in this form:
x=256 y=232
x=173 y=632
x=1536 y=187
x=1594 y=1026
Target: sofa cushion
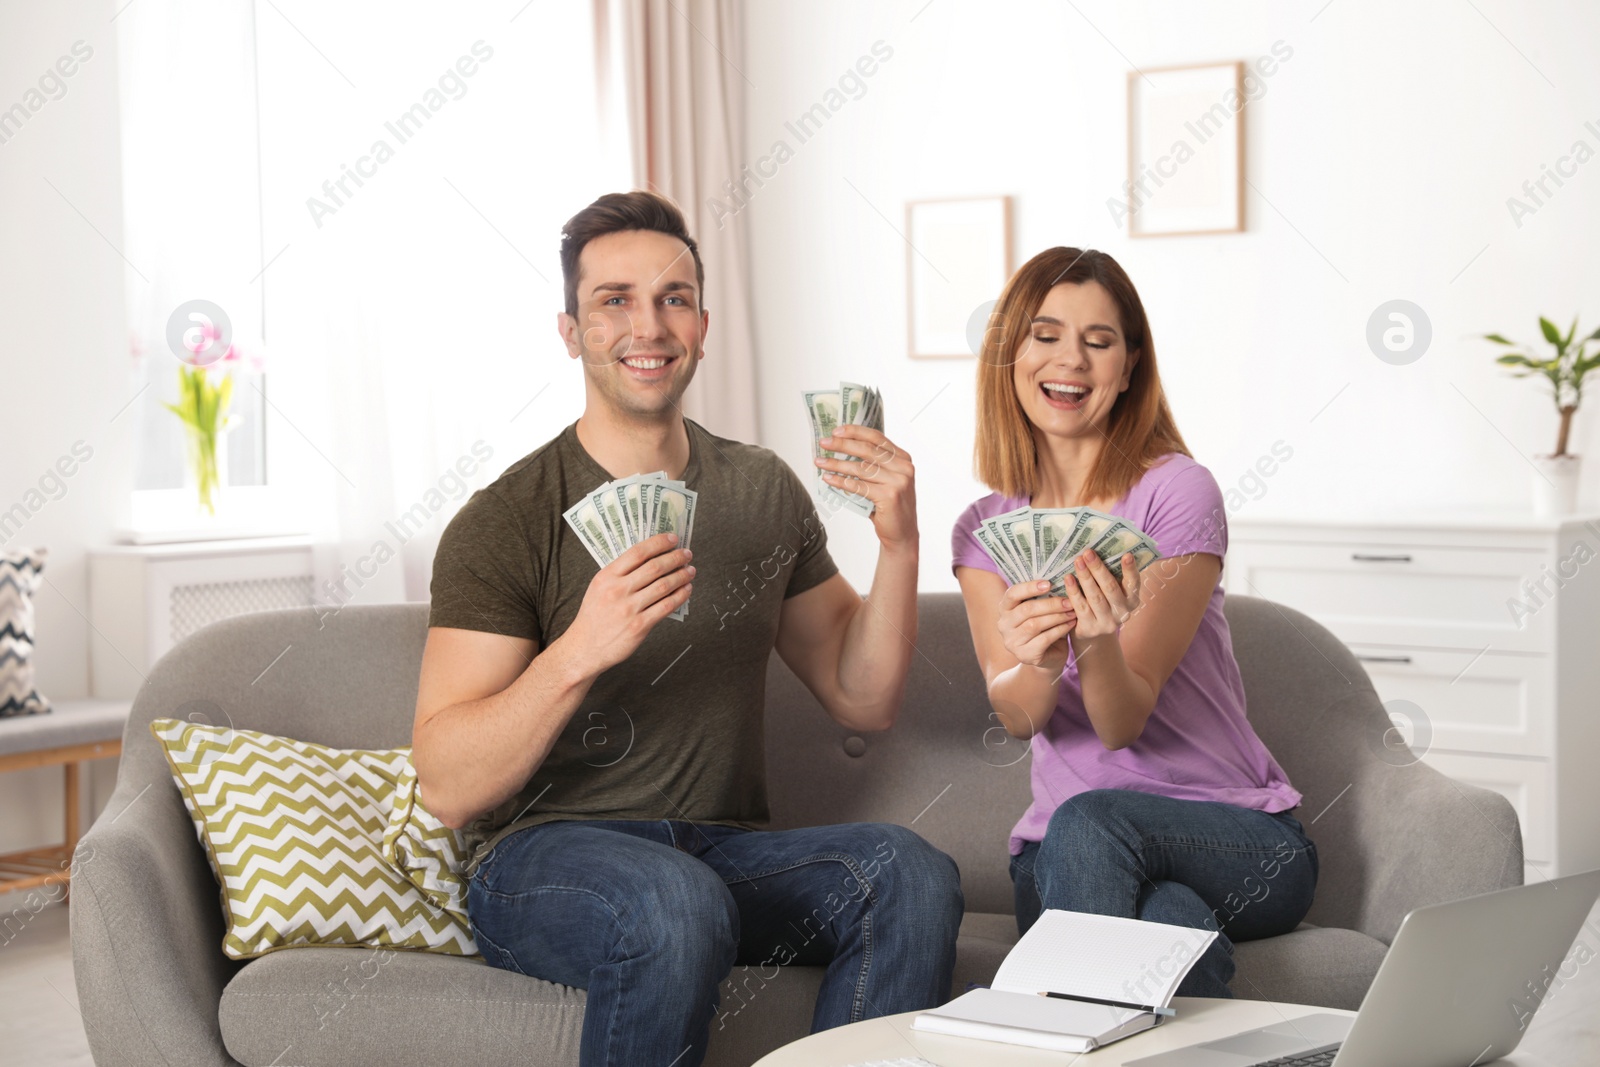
x=1325 y=966
x=382 y=1008
x=295 y=833
x=986 y=937
x=19 y=580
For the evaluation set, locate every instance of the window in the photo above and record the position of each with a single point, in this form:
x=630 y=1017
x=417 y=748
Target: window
x=376 y=191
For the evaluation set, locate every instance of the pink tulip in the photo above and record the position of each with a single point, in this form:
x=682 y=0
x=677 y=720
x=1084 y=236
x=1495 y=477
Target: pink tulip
x=208 y=334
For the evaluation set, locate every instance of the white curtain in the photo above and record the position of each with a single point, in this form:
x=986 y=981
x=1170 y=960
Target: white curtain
x=413 y=313
x=670 y=80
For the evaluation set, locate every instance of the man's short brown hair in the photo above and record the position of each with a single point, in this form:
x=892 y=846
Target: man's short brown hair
x=614 y=213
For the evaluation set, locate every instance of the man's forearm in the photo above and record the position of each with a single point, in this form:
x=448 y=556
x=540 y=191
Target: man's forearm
x=475 y=755
x=879 y=641
x=1118 y=701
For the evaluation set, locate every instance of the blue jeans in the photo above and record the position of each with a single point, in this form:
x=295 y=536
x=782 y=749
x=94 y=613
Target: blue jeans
x=1211 y=866
x=651 y=916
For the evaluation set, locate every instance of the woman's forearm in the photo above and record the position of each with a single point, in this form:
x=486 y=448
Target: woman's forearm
x=1024 y=697
x=1118 y=701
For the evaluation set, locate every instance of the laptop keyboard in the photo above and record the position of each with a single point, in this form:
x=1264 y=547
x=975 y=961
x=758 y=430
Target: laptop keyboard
x=1317 y=1057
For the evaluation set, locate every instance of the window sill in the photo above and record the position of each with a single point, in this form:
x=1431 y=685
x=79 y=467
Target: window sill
x=167 y=516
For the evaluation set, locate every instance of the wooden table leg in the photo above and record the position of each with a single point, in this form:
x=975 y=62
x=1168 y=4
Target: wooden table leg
x=71 y=808
x=70 y=818
x=52 y=864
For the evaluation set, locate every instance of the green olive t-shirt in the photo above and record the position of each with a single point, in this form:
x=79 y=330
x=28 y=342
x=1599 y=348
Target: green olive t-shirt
x=674 y=731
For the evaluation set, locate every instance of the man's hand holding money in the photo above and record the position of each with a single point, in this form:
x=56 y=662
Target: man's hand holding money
x=881 y=472
x=627 y=597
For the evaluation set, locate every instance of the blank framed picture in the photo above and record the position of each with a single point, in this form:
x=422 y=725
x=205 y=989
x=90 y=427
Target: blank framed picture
x=958 y=257
x=1185 y=150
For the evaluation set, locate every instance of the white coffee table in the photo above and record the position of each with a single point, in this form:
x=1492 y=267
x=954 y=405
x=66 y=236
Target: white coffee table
x=1198 y=1019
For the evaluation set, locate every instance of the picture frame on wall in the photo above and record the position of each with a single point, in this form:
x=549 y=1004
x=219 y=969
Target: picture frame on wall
x=1185 y=150
x=958 y=258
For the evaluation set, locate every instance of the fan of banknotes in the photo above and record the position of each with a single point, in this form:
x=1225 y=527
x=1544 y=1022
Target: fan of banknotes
x=1030 y=544
x=620 y=514
x=831 y=408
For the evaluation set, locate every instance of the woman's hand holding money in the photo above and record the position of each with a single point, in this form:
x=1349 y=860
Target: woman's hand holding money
x=1034 y=628
x=1101 y=602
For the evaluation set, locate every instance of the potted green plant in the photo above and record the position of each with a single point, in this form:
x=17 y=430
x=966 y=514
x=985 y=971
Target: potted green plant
x=1555 y=491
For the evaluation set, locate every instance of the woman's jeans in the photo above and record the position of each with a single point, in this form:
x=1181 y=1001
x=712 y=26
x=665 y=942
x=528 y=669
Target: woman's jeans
x=650 y=917
x=1210 y=866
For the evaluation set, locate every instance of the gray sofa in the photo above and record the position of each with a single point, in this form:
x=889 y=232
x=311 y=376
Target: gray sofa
x=155 y=988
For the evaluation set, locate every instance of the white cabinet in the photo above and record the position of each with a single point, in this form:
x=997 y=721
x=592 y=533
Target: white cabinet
x=143 y=599
x=1487 y=626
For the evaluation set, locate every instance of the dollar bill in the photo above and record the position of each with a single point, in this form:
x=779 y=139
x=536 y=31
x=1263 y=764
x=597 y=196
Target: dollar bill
x=851 y=398
x=1017 y=526
x=609 y=507
x=1033 y=543
x=674 y=513
x=823 y=406
x=1121 y=538
x=630 y=494
x=827 y=410
x=1095 y=523
x=584 y=519
x=991 y=544
x=619 y=514
x=997 y=534
x=1054 y=527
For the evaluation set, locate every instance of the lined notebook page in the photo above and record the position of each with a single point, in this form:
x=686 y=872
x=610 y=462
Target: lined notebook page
x=1102 y=956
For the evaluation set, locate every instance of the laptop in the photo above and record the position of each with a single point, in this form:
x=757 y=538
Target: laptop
x=1458 y=986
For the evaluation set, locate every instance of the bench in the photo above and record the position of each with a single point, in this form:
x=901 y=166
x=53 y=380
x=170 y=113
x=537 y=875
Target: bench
x=72 y=732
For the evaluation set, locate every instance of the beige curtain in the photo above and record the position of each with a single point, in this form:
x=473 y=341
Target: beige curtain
x=669 y=73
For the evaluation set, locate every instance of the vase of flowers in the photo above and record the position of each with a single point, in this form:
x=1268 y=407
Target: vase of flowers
x=1555 y=489
x=205 y=392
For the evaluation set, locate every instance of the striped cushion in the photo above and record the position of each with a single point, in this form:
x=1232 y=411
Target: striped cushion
x=19 y=580
x=429 y=853
x=304 y=840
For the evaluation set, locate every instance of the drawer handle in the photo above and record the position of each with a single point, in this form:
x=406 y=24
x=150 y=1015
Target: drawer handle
x=1366 y=557
x=1364 y=658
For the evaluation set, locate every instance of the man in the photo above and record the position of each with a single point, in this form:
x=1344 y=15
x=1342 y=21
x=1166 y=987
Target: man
x=607 y=761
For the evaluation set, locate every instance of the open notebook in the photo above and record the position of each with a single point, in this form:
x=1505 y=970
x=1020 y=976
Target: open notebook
x=1132 y=963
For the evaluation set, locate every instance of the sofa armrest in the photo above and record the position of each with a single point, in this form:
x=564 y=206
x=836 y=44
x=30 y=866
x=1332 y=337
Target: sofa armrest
x=1411 y=836
x=147 y=930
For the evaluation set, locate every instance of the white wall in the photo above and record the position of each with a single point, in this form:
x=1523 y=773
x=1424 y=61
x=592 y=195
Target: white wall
x=63 y=349
x=1387 y=144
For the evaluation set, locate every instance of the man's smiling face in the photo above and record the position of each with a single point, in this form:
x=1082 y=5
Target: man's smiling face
x=639 y=327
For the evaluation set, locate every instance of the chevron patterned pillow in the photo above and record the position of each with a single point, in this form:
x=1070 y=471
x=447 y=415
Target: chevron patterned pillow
x=19 y=580
x=430 y=854
x=297 y=832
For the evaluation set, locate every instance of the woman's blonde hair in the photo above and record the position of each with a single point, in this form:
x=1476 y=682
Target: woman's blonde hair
x=1141 y=426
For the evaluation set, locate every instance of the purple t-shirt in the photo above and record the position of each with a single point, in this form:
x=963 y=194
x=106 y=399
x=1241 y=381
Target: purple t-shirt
x=1197 y=743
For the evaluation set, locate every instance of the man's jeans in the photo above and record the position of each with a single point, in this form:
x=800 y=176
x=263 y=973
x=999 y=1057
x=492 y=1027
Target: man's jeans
x=1210 y=866
x=650 y=917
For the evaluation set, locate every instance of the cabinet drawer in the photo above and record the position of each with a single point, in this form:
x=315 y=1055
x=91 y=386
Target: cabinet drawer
x=1526 y=783
x=1491 y=703
x=1400 y=594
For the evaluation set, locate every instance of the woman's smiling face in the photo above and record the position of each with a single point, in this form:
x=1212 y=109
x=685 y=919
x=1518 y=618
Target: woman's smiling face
x=1074 y=361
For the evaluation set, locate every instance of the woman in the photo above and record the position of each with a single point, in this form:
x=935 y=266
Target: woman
x=1152 y=796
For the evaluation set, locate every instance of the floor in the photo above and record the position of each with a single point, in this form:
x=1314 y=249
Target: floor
x=40 y=1025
